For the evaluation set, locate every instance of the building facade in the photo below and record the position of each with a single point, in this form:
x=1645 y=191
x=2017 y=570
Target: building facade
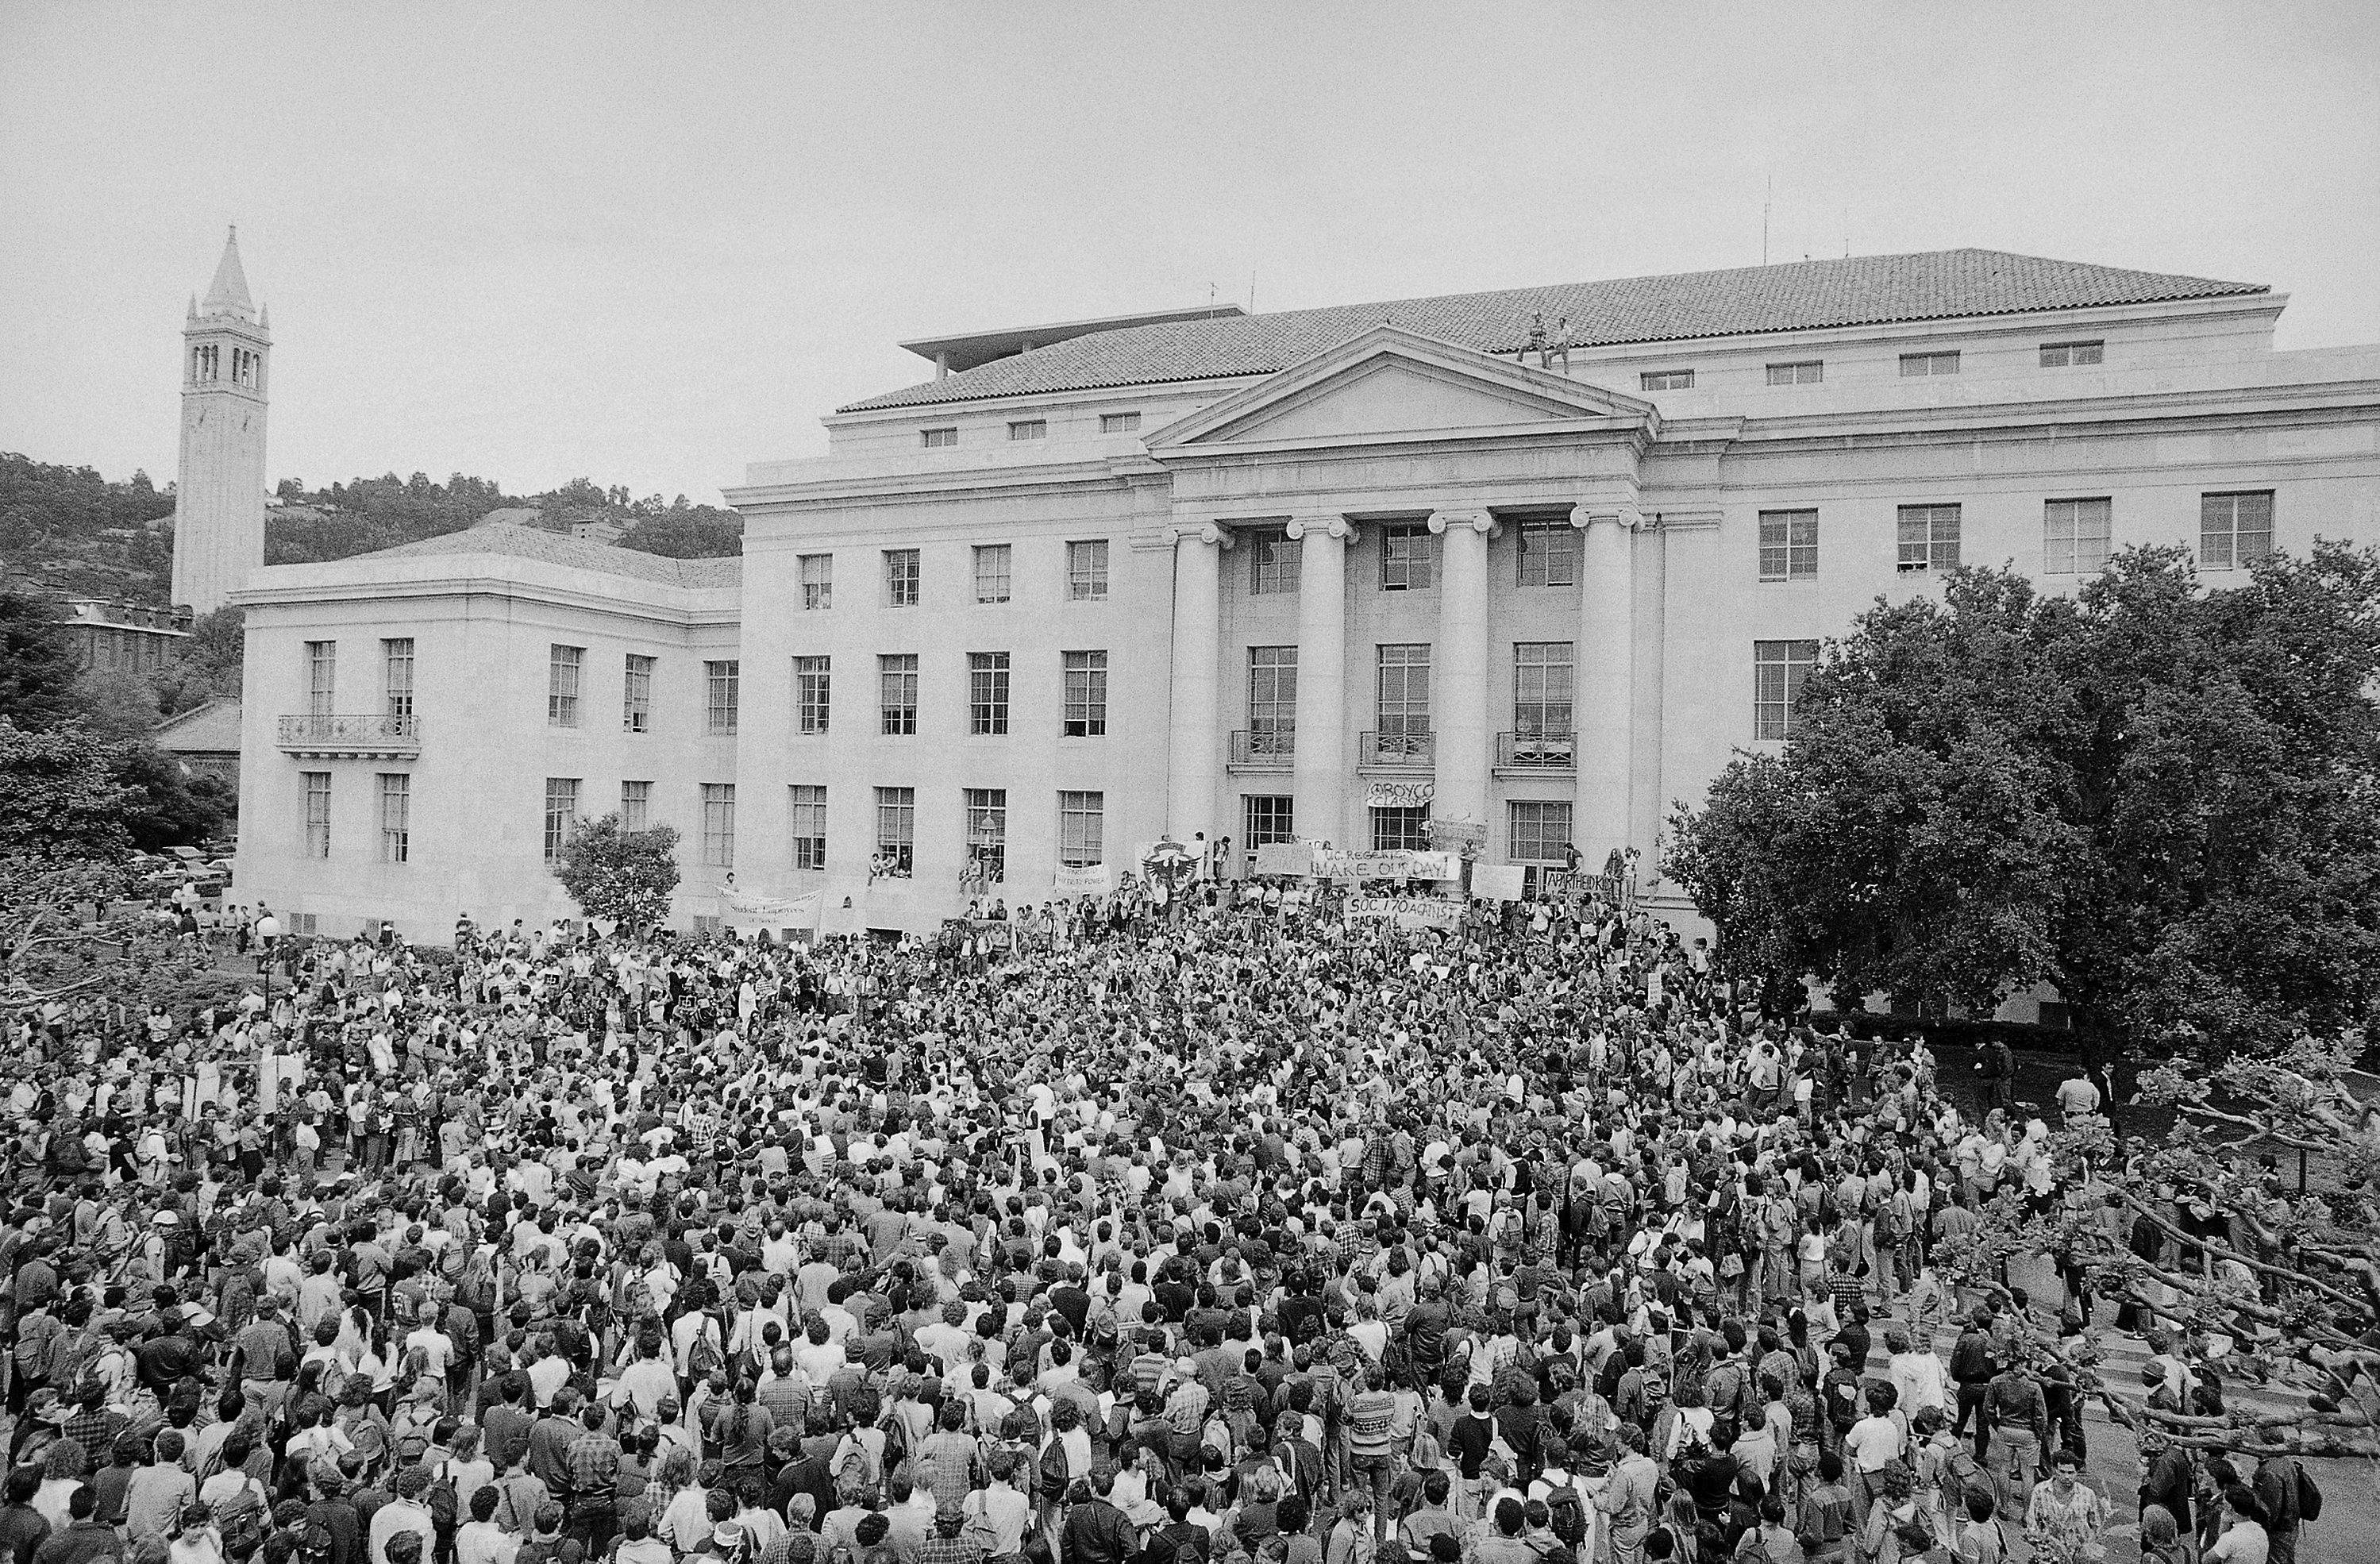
x=1518 y=570
x=219 y=492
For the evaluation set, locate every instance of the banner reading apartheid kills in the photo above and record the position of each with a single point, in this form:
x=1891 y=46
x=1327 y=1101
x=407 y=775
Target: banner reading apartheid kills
x=1420 y=912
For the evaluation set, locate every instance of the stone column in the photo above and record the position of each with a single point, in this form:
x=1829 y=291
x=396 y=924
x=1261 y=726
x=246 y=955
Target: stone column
x=1321 y=773
x=1460 y=704
x=1196 y=744
x=1606 y=692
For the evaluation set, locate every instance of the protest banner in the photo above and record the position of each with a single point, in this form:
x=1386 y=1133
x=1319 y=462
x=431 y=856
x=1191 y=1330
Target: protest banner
x=1418 y=911
x=1396 y=863
x=1285 y=858
x=1398 y=795
x=1500 y=882
x=1085 y=879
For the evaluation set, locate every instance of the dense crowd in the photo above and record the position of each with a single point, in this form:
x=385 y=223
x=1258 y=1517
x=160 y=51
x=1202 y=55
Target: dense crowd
x=1228 y=1231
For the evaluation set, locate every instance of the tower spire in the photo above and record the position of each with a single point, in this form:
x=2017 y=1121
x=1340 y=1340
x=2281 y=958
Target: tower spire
x=228 y=295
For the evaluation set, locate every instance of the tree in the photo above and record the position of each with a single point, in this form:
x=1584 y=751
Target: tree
x=2290 y=1280
x=210 y=663
x=36 y=662
x=163 y=806
x=119 y=705
x=616 y=873
x=2164 y=801
x=60 y=799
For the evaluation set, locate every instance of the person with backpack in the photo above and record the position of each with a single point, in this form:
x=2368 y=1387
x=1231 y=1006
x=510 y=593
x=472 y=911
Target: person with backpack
x=2289 y=1499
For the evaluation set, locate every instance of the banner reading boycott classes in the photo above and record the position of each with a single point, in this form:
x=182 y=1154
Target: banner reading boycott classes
x=1425 y=912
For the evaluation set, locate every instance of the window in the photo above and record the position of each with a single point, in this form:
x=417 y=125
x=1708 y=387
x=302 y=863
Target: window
x=991 y=573
x=560 y=814
x=563 y=665
x=395 y=817
x=1267 y=818
x=1805 y=371
x=1405 y=558
x=896 y=698
x=2074 y=536
x=1540 y=832
x=813 y=687
x=304 y=925
x=817 y=580
x=721 y=681
x=1917 y=365
x=1405 y=826
x=1549 y=553
x=987 y=692
x=1029 y=428
x=636 y=806
x=1778 y=669
x=2234 y=530
x=986 y=833
x=808 y=815
x=1929 y=538
x=1082 y=829
x=637 y=696
x=1119 y=423
x=1087 y=694
x=903 y=577
x=1086 y=571
x=321 y=677
x=1542 y=674
x=719 y=824
x=1273 y=564
x=1789 y=545
x=1667 y=380
x=318 y=813
x=397 y=665
x=1403 y=690
x=2064 y=355
x=896 y=830
x=939 y=439
x=1272 y=698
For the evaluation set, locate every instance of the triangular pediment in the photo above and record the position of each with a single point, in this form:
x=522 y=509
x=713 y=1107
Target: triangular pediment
x=1390 y=381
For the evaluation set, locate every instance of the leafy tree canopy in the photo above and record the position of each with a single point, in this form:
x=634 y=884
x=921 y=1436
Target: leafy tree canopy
x=616 y=873
x=60 y=797
x=2162 y=800
x=36 y=662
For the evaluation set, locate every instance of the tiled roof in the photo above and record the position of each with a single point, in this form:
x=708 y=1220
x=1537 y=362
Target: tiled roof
x=210 y=728
x=530 y=543
x=1861 y=290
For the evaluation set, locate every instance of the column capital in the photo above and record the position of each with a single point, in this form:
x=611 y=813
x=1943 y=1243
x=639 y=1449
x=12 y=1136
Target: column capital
x=1441 y=522
x=1627 y=517
x=1328 y=525
x=1198 y=531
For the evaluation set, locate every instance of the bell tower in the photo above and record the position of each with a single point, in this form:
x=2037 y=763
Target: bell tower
x=219 y=494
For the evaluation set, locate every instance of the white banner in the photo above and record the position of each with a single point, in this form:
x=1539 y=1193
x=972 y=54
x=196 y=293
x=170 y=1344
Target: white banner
x=1395 y=864
x=1085 y=879
x=1500 y=882
x=1425 y=912
x=1398 y=795
x=1284 y=858
x=746 y=910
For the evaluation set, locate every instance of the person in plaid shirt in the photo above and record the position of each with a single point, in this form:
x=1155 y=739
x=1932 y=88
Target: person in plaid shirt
x=592 y=1463
x=949 y=1543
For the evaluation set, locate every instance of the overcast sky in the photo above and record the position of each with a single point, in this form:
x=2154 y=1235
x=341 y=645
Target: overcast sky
x=646 y=244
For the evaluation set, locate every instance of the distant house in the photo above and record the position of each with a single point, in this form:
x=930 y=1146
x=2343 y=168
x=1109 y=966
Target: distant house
x=205 y=739
x=513 y=516
x=137 y=637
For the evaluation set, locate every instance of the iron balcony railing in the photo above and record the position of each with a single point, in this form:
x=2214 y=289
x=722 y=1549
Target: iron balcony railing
x=1264 y=748
x=1415 y=750
x=351 y=733
x=1536 y=750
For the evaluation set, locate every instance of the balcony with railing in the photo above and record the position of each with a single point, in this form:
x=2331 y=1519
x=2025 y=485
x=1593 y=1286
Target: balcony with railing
x=1531 y=751
x=1405 y=751
x=1265 y=749
x=351 y=736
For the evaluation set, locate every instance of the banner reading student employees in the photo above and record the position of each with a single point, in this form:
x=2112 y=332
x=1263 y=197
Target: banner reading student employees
x=744 y=908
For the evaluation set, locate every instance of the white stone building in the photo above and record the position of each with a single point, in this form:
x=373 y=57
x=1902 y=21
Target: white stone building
x=1533 y=562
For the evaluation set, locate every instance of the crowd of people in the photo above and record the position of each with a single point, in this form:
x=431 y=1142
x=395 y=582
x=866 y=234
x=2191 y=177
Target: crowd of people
x=1223 y=1231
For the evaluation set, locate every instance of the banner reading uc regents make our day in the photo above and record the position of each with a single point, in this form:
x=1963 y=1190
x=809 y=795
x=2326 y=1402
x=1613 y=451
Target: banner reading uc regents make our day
x=1393 y=863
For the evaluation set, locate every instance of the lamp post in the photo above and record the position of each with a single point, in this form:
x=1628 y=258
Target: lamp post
x=268 y=928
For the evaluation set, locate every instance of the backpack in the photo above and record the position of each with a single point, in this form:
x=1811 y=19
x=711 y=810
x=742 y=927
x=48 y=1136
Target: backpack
x=857 y=1461
x=38 y=1336
x=242 y=1520
x=1568 y=1516
x=2309 y=1496
x=441 y=1500
x=702 y=1354
x=1051 y=1473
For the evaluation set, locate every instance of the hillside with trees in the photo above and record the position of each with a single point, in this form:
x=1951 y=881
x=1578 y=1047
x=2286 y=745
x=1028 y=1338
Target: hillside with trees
x=72 y=531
